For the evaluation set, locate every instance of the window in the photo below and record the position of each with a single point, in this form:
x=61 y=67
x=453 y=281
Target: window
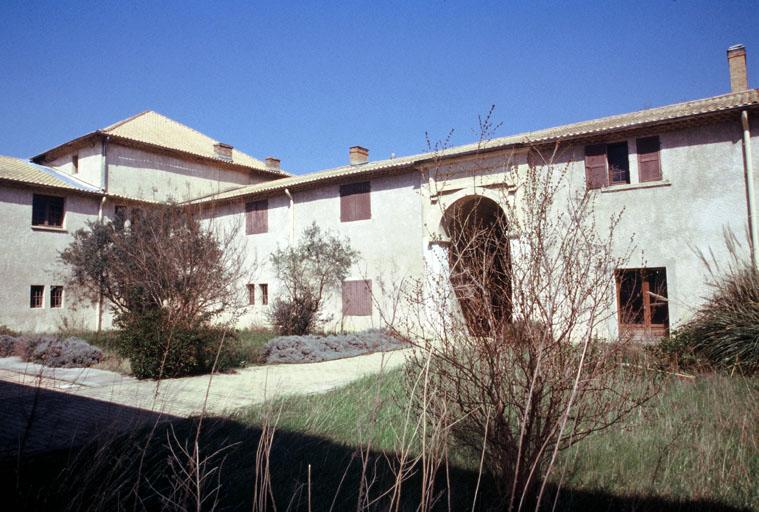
x=257 y=217
x=47 y=211
x=56 y=296
x=264 y=294
x=120 y=213
x=251 y=294
x=75 y=163
x=357 y=298
x=37 y=296
x=355 y=202
x=606 y=164
x=642 y=300
x=649 y=163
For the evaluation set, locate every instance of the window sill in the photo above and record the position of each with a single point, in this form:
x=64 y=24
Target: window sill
x=635 y=186
x=49 y=228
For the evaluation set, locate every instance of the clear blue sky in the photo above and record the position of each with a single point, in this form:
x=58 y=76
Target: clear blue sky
x=306 y=81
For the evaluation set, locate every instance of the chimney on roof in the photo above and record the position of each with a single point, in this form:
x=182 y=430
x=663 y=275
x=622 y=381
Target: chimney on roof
x=358 y=155
x=272 y=163
x=223 y=151
x=736 y=60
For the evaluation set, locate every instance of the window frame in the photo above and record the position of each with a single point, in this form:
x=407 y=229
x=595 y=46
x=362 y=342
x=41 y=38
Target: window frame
x=647 y=296
x=44 y=202
x=611 y=170
x=75 y=163
x=251 y=294
x=264 y=289
x=56 y=304
x=257 y=217
x=37 y=296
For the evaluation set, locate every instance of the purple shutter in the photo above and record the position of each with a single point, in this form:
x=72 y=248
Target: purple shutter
x=355 y=202
x=649 y=163
x=595 y=166
x=357 y=298
x=257 y=217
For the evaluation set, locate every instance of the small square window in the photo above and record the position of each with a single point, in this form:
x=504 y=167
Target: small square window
x=56 y=296
x=355 y=202
x=251 y=294
x=264 y=294
x=37 y=296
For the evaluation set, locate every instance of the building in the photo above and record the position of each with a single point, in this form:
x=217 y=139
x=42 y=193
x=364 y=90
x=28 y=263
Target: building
x=683 y=173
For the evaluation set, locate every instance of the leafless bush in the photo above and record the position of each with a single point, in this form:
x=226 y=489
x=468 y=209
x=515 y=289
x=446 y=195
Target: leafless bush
x=510 y=342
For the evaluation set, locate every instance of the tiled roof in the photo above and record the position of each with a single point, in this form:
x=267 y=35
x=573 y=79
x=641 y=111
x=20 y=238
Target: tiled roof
x=649 y=117
x=22 y=171
x=152 y=128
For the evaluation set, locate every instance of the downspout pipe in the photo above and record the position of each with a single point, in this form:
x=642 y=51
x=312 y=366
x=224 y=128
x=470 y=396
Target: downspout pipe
x=292 y=216
x=99 y=310
x=748 y=167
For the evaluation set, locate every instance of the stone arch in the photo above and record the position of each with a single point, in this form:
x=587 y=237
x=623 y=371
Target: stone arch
x=479 y=258
x=438 y=211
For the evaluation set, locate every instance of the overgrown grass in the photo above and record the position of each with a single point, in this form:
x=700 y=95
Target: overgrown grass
x=697 y=441
x=252 y=343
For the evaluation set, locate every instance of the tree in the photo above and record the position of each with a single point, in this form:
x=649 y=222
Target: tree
x=309 y=271
x=509 y=345
x=167 y=278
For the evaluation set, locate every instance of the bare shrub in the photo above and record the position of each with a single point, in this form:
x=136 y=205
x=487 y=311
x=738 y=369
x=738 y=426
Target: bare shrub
x=510 y=344
x=7 y=345
x=309 y=271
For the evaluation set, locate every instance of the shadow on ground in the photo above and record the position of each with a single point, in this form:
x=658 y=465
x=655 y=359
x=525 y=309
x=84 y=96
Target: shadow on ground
x=84 y=454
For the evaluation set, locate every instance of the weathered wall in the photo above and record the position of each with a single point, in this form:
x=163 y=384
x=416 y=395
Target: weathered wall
x=90 y=164
x=29 y=256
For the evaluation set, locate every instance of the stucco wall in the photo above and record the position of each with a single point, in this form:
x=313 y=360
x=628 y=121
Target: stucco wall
x=29 y=257
x=160 y=177
x=90 y=164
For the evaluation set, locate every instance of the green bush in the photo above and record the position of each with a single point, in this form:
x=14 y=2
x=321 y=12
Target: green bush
x=157 y=352
x=725 y=330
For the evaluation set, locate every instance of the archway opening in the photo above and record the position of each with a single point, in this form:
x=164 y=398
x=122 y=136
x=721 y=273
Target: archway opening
x=480 y=263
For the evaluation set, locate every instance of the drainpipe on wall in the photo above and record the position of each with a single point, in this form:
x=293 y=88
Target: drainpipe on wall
x=104 y=165
x=292 y=216
x=748 y=166
x=99 y=310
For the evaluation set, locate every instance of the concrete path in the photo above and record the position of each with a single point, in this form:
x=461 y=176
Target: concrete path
x=186 y=396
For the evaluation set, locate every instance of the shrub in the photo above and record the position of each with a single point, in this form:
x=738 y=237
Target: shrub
x=725 y=330
x=296 y=316
x=55 y=352
x=7 y=345
x=310 y=349
x=7 y=331
x=156 y=352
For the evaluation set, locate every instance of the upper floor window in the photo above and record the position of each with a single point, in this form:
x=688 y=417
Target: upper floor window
x=75 y=163
x=257 y=217
x=606 y=164
x=609 y=164
x=56 y=296
x=649 y=162
x=37 y=299
x=355 y=201
x=47 y=211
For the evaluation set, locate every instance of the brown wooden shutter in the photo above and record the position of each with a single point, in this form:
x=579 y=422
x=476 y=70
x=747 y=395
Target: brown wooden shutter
x=357 y=298
x=355 y=202
x=596 y=175
x=257 y=217
x=649 y=163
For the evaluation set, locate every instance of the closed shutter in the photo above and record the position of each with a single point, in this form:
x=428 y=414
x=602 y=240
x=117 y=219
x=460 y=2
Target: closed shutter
x=257 y=217
x=355 y=202
x=649 y=163
x=596 y=175
x=357 y=298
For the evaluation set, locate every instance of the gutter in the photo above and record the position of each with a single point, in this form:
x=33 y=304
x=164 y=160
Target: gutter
x=748 y=167
x=292 y=216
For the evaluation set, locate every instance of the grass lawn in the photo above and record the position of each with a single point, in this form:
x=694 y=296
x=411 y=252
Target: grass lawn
x=698 y=440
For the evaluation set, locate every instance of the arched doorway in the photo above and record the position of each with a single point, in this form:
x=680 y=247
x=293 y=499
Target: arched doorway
x=480 y=262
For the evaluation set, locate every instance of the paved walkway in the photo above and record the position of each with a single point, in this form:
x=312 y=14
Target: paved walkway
x=186 y=396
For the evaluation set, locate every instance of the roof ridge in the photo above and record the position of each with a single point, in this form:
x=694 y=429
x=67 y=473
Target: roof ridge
x=129 y=119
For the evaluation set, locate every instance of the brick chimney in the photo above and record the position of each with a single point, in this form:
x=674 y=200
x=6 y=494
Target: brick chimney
x=272 y=163
x=358 y=155
x=223 y=151
x=736 y=60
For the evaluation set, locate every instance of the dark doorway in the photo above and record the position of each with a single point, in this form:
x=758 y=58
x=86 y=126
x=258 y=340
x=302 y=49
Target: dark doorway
x=480 y=263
